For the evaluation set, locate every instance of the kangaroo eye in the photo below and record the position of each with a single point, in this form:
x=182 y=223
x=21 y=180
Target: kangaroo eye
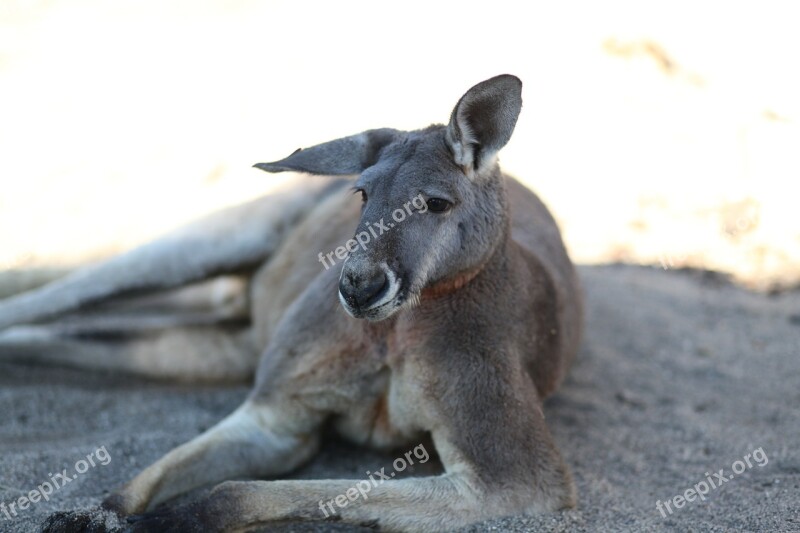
x=437 y=205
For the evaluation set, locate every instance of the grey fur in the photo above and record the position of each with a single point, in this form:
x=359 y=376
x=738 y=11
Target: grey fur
x=349 y=155
x=473 y=316
x=226 y=241
x=483 y=121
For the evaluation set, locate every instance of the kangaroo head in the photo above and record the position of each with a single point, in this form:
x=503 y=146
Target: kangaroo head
x=434 y=207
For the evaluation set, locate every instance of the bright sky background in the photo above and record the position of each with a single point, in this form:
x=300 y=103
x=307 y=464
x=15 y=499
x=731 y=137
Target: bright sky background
x=658 y=132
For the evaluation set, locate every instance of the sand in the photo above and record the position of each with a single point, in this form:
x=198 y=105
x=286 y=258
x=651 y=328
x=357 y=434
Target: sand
x=681 y=373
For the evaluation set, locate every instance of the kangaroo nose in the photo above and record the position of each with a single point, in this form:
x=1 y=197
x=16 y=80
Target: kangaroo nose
x=362 y=290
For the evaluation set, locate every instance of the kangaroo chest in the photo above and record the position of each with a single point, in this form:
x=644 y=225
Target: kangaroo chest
x=393 y=413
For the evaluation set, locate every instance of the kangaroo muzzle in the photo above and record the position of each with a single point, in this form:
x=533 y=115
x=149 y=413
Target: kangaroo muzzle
x=363 y=289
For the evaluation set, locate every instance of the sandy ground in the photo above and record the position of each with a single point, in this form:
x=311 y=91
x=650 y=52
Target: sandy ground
x=680 y=374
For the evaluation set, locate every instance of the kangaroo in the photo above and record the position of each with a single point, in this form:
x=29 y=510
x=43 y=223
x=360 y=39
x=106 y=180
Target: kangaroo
x=438 y=302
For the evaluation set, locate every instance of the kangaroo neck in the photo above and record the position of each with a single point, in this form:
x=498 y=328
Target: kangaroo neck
x=497 y=260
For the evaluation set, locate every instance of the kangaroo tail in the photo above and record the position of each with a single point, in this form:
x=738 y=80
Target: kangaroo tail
x=229 y=240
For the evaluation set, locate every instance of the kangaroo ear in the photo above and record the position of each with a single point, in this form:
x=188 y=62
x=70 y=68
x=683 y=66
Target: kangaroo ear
x=483 y=121
x=348 y=155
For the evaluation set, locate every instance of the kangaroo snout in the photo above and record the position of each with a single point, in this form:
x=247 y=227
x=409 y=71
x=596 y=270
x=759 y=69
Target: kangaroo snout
x=365 y=290
x=362 y=289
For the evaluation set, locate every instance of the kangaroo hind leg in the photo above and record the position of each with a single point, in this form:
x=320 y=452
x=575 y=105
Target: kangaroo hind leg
x=184 y=355
x=197 y=333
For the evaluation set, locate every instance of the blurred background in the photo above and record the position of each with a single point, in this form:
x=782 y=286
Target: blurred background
x=658 y=133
